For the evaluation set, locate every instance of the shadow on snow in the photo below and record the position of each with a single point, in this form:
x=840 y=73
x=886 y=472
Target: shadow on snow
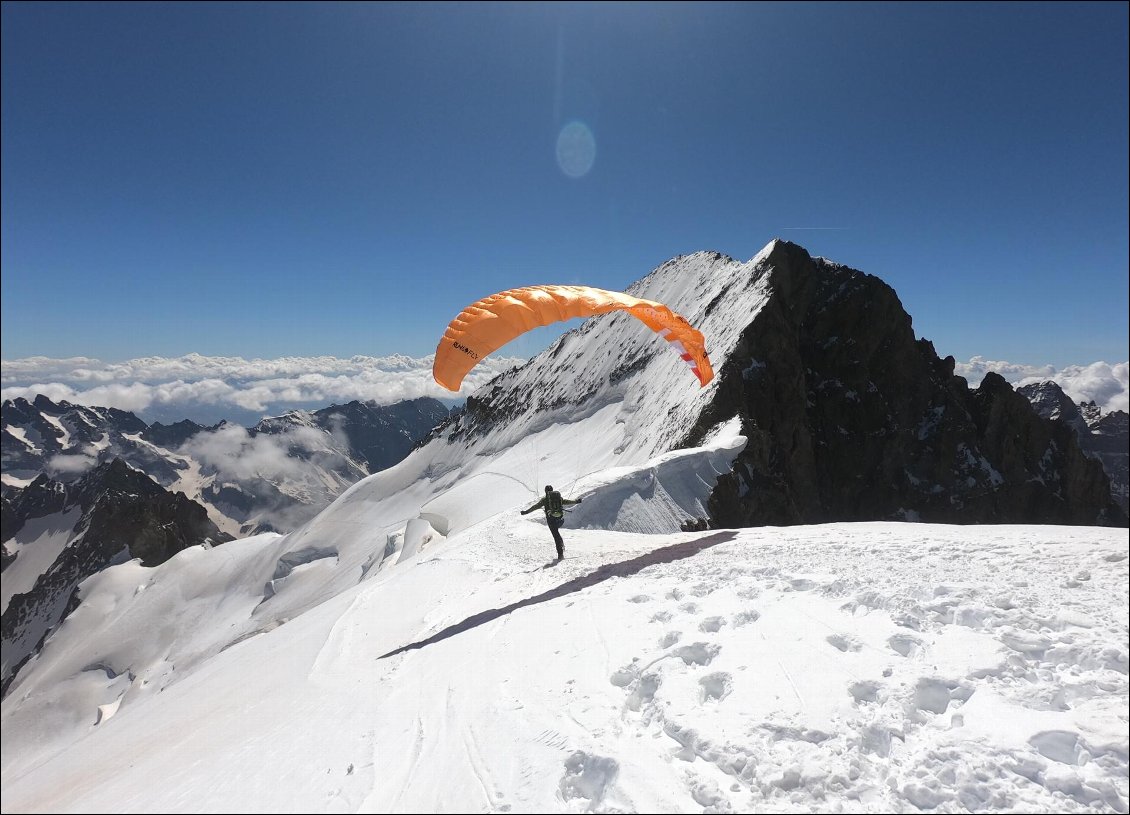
x=666 y=554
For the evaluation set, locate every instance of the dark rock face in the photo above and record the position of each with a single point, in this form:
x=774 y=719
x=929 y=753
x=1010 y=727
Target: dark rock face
x=124 y=514
x=15 y=454
x=1049 y=400
x=1047 y=477
x=383 y=436
x=128 y=509
x=65 y=440
x=375 y=436
x=41 y=497
x=1102 y=436
x=171 y=436
x=849 y=417
x=1110 y=442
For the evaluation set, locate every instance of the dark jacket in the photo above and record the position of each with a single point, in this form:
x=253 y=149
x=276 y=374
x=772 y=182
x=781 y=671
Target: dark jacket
x=553 y=505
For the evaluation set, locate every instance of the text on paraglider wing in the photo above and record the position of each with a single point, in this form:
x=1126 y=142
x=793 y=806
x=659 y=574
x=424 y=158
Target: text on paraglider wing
x=460 y=347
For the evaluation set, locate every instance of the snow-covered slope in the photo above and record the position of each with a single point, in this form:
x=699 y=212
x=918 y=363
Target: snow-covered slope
x=607 y=395
x=615 y=450
x=412 y=649
x=614 y=361
x=863 y=667
x=143 y=637
x=63 y=533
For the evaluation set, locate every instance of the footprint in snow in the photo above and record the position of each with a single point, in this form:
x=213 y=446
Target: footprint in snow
x=711 y=624
x=844 y=642
x=905 y=644
x=746 y=617
x=716 y=686
x=643 y=692
x=865 y=691
x=623 y=677
x=587 y=777
x=698 y=653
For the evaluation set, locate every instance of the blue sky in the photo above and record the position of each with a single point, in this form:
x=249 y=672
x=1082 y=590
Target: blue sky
x=268 y=180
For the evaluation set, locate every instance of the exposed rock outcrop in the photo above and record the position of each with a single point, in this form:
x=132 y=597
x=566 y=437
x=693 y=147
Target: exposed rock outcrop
x=850 y=417
x=1102 y=436
x=112 y=514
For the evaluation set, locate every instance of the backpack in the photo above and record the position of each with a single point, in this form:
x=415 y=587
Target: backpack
x=553 y=507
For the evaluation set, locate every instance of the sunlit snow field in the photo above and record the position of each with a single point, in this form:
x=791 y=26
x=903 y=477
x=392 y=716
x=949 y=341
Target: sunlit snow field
x=863 y=667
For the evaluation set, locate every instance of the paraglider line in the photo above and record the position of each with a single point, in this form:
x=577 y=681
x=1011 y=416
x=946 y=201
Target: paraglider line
x=476 y=475
x=504 y=475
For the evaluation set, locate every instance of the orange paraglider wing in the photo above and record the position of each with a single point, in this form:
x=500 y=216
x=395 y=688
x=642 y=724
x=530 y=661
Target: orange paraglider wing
x=487 y=325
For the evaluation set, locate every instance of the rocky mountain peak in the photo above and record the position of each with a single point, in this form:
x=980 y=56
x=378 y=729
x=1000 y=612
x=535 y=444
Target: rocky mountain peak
x=1104 y=437
x=173 y=435
x=848 y=415
x=851 y=417
x=1049 y=400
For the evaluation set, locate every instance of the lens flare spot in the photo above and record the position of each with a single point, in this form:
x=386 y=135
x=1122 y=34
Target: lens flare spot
x=576 y=149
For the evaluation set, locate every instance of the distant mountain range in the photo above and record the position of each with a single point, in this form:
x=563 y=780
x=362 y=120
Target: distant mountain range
x=272 y=477
x=87 y=487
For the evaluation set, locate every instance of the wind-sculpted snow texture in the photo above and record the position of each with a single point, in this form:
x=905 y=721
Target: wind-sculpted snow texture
x=844 y=667
x=281 y=473
x=268 y=580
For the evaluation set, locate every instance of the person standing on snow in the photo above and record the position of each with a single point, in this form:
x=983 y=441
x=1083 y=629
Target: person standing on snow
x=553 y=504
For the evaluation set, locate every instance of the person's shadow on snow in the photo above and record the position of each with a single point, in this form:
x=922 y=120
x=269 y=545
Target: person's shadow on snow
x=676 y=551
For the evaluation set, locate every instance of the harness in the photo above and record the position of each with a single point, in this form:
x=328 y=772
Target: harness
x=553 y=508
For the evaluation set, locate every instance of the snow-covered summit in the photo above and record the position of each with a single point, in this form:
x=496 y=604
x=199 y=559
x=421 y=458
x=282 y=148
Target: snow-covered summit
x=614 y=360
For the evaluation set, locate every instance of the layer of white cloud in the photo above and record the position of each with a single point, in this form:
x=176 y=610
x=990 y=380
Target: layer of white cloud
x=182 y=385
x=1100 y=382
x=235 y=454
x=298 y=462
x=64 y=465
